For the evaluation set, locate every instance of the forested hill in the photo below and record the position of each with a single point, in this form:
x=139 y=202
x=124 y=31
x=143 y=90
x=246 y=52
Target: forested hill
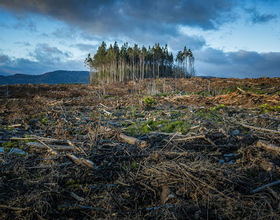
x=56 y=77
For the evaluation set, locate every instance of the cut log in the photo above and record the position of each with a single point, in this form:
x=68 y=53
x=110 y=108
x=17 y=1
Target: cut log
x=189 y=138
x=260 y=129
x=133 y=140
x=49 y=149
x=79 y=149
x=268 y=146
x=53 y=147
x=241 y=90
x=79 y=161
x=124 y=138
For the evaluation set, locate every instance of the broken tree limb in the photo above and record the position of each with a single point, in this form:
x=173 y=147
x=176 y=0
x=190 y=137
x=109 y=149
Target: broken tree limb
x=79 y=161
x=75 y=159
x=79 y=198
x=241 y=90
x=167 y=134
x=47 y=146
x=79 y=149
x=87 y=162
x=103 y=105
x=264 y=186
x=268 y=146
x=195 y=137
x=260 y=129
x=53 y=147
x=124 y=137
x=133 y=140
x=189 y=138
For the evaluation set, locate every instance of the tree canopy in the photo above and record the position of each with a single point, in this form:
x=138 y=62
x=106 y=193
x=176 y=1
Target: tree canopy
x=114 y=64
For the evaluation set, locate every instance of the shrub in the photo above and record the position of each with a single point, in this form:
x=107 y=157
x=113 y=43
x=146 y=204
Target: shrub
x=148 y=101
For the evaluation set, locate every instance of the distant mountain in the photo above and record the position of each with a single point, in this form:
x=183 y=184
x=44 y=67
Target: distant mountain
x=56 y=77
x=4 y=74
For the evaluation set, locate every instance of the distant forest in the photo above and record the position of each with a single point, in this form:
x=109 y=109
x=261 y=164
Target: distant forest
x=116 y=64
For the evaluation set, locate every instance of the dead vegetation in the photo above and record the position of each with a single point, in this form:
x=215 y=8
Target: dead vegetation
x=78 y=151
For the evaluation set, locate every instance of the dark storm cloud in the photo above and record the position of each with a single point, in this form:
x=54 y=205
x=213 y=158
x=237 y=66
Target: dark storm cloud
x=4 y=59
x=86 y=47
x=240 y=64
x=107 y=17
x=192 y=42
x=48 y=54
x=258 y=18
x=10 y=65
x=213 y=56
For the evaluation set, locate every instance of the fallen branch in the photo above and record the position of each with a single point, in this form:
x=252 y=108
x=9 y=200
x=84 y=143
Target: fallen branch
x=260 y=129
x=79 y=161
x=124 y=138
x=167 y=134
x=48 y=147
x=241 y=90
x=103 y=105
x=264 y=186
x=195 y=137
x=53 y=147
x=14 y=126
x=107 y=113
x=268 y=146
x=79 y=149
x=133 y=140
x=189 y=138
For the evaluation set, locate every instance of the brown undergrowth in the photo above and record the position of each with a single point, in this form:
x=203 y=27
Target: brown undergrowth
x=75 y=151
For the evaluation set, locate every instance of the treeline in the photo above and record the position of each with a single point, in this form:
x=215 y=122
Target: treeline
x=116 y=64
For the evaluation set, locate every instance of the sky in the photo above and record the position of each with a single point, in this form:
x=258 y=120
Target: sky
x=229 y=38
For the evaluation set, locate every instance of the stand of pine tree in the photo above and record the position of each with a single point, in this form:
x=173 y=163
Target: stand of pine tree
x=116 y=64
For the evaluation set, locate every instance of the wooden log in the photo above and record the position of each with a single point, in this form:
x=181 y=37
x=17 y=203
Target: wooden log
x=14 y=126
x=264 y=186
x=79 y=149
x=124 y=138
x=268 y=146
x=241 y=90
x=260 y=129
x=189 y=138
x=133 y=140
x=50 y=150
x=79 y=161
x=53 y=147
x=75 y=159
x=87 y=162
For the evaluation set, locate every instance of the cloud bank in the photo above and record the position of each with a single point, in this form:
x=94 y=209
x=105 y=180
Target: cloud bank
x=143 y=22
x=240 y=64
x=103 y=17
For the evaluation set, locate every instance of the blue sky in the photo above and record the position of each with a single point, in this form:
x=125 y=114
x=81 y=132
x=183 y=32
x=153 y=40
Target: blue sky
x=229 y=38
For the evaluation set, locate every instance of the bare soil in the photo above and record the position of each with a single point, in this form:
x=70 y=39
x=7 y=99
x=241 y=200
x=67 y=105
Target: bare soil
x=202 y=149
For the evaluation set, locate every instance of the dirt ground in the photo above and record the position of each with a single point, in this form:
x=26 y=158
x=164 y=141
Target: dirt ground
x=154 y=149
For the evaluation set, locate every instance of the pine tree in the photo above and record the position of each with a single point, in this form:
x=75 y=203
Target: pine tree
x=132 y=63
